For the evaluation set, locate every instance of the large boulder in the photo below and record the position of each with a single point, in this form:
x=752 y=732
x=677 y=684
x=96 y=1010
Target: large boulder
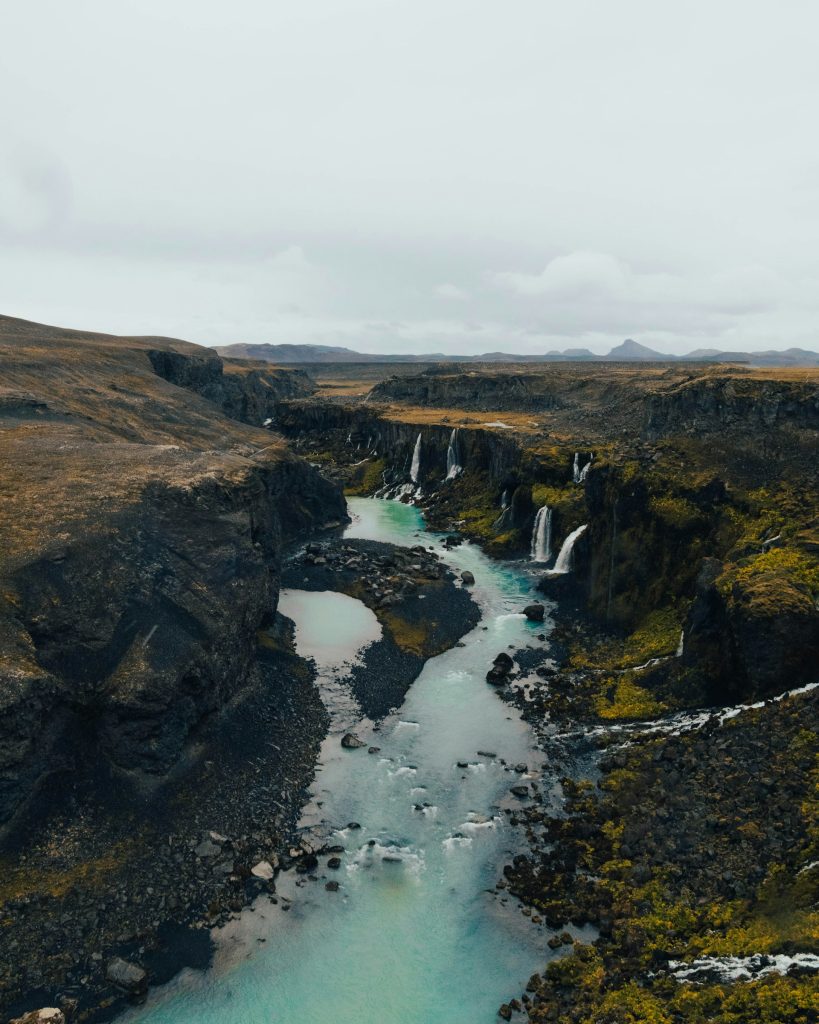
x=130 y=977
x=48 y=1015
x=501 y=667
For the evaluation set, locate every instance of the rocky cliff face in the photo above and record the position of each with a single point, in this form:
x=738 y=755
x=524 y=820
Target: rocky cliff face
x=243 y=390
x=716 y=403
x=143 y=533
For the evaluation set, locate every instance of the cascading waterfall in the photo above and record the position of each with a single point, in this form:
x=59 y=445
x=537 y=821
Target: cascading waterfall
x=505 y=500
x=415 y=468
x=563 y=563
x=453 y=464
x=584 y=472
x=542 y=535
x=579 y=474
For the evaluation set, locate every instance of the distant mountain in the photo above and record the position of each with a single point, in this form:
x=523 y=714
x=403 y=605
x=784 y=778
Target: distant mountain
x=320 y=354
x=632 y=350
x=629 y=351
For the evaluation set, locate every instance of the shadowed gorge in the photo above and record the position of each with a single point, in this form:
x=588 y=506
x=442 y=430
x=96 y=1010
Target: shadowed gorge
x=553 y=688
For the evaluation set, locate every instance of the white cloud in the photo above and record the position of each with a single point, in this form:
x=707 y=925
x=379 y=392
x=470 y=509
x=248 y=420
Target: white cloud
x=451 y=291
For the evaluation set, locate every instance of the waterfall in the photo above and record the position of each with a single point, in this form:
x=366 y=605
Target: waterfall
x=542 y=535
x=563 y=563
x=505 y=500
x=578 y=474
x=584 y=472
x=415 y=468
x=453 y=465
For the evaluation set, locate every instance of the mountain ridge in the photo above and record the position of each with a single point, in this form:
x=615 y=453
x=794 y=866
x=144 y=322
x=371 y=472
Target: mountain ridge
x=628 y=351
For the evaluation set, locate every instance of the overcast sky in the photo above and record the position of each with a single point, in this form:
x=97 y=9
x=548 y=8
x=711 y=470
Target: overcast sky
x=423 y=175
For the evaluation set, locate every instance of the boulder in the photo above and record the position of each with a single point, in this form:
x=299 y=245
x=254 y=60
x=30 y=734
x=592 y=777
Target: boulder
x=127 y=976
x=263 y=870
x=467 y=578
x=501 y=667
x=351 y=742
x=534 y=612
x=48 y=1015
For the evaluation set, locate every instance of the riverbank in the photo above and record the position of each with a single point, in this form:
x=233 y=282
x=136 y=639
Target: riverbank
x=101 y=872
x=689 y=840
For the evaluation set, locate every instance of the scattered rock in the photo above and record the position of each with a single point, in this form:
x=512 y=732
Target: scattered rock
x=263 y=870
x=467 y=578
x=534 y=612
x=351 y=742
x=127 y=976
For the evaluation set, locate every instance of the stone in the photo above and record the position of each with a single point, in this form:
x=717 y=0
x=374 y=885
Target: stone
x=48 y=1015
x=331 y=886
x=334 y=863
x=534 y=612
x=467 y=578
x=207 y=849
x=351 y=742
x=263 y=870
x=125 y=975
x=520 y=791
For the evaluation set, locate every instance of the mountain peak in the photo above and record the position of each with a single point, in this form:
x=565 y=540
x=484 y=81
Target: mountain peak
x=631 y=349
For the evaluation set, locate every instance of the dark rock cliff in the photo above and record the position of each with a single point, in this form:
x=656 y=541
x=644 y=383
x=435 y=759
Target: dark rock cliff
x=243 y=391
x=130 y=600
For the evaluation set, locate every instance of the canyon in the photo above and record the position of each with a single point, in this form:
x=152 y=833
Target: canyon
x=157 y=497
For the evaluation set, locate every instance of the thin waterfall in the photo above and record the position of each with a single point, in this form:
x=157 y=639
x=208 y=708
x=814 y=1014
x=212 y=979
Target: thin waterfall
x=584 y=472
x=415 y=468
x=505 y=500
x=542 y=535
x=563 y=563
x=453 y=462
x=579 y=474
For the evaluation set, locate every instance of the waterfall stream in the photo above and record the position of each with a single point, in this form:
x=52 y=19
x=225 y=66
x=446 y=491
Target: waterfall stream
x=415 y=468
x=453 y=458
x=563 y=562
x=542 y=535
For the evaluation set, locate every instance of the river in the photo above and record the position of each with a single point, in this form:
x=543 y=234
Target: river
x=416 y=933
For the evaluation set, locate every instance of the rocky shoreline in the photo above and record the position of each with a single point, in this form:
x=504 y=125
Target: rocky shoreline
x=423 y=610
x=686 y=839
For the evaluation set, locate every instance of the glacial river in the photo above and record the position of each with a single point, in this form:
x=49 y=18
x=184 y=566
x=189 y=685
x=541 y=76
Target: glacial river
x=416 y=933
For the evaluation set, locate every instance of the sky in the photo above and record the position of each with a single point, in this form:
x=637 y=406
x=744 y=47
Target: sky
x=418 y=176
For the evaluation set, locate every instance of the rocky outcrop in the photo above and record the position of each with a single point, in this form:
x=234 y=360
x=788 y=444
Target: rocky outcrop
x=244 y=391
x=710 y=404
x=474 y=391
x=136 y=572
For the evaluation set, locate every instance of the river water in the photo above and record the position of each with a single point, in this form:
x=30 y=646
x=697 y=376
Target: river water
x=416 y=933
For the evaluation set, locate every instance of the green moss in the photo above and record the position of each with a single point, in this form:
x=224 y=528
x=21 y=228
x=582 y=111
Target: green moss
x=676 y=512
x=798 y=567
x=371 y=478
x=568 y=501
x=623 y=699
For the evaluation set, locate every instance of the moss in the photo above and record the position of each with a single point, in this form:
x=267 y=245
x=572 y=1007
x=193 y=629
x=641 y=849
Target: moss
x=22 y=882
x=625 y=699
x=676 y=512
x=568 y=501
x=796 y=566
x=412 y=637
x=370 y=479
